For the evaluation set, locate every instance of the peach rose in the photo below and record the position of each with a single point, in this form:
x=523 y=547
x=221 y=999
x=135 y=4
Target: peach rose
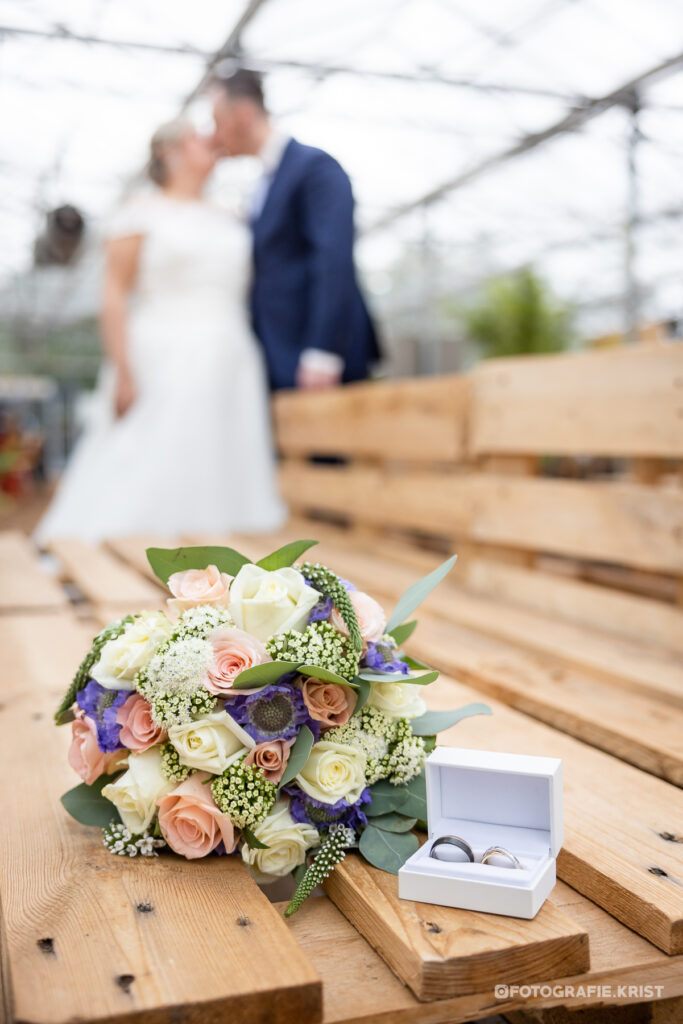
x=198 y=586
x=191 y=823
x=329 y=703
x=271 y=757
x=139 y=731
x=233 y=651
x=371 y=618
x=85 y=756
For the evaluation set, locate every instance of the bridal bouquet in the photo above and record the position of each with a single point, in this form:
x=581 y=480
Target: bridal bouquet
x=268 y=711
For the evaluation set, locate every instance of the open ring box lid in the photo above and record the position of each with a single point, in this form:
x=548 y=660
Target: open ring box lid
x=487 y=799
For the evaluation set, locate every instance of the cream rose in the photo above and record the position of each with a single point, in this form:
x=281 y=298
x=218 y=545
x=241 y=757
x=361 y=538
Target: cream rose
x=264 y=603
x=135 y=793
x=398 y=700
x=198 y=586
x=287 y=842
x=211 y=743
x=371 y=618
x=333 y=771
x=121 y=658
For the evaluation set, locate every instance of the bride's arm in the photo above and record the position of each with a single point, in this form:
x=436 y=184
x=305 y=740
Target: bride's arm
x=122 y=258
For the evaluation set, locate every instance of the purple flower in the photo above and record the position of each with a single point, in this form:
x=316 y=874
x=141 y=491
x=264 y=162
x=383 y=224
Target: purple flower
x=303 y=807
x=382 y=657
x=322 y=610
x=275 y=713
x=101 y=705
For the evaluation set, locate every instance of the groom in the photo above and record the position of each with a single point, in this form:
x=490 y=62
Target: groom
x=307 y=309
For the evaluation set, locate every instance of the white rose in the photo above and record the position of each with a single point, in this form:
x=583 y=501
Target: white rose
x=135 y=793
x=263 y=603
x=211 y=743
x=398 y=700
x=287 y=841
x=121 y=658
x=333 y=771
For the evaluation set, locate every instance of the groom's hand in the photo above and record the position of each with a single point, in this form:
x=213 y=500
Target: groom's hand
x=316 y=380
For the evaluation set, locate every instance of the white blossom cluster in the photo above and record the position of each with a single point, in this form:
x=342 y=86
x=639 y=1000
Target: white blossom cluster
x=201 y=621
x=120 y=840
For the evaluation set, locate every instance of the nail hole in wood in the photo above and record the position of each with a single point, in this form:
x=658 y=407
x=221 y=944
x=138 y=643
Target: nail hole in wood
x=433 y=929
x=659 y=872
x=46 y=946
x=124 y=981
x=144 y=908
x=243 y=922
x=669 y=837
x=37 y=716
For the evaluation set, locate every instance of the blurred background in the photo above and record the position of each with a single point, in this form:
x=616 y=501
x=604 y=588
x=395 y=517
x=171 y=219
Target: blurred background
x=516 y=164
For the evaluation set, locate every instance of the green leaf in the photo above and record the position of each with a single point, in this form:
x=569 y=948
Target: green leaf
x=398 y=677
x=87 y=805
x=415 y=594
x=385 y=798
x=436 y=721
x=363 y=688
x=393 y=822
x=415 y=663
x=286 y=555
x=325 y=674
x=430 y=743
x=65 y=717
x=403 y=632
x=252 y=842
x=166 y=561
x=263 y=675
x=299 y=872
x=387 y=850
x=415 y=804
x=298 y=755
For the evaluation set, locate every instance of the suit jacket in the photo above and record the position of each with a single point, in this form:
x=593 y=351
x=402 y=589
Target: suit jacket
x=305 y=293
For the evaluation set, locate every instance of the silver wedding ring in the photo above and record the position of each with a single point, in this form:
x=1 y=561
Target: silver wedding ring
x=464 y=847
x=461 y=844
x=500 y=851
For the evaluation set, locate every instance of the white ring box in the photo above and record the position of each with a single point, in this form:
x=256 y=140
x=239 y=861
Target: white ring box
x=488 y=799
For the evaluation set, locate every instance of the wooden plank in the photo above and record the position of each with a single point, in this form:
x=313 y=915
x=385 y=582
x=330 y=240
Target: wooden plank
x=102 y=577
x=361 y=989
x=623 y=403
x=440 y=952
x=421 y=420
x=586 y=604
x=131 y=550
x=626 y=523
x=23 y=585
x=81 y=942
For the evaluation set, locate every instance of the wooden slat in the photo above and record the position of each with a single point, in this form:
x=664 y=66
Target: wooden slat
x=421 y=420
x=102 y=577
x=131 y=550
x=440 y=952
x=80 y=939
x=624 y=403
x=631 y=524
x=640 y=618
x=23 y=585
x=361 y=989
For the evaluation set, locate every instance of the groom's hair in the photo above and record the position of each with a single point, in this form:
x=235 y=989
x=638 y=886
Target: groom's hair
x=243 y=84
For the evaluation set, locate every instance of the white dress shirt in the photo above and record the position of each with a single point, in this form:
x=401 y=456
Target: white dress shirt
x=316 y=360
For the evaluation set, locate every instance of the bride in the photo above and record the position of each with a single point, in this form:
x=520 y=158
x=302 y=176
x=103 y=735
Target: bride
x=180 y=438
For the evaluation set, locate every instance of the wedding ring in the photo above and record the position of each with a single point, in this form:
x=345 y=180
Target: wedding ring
x=500 y=851
x=451 y=841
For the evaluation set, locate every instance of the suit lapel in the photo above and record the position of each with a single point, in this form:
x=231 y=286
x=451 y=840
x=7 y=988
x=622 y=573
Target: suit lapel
x=277 y=189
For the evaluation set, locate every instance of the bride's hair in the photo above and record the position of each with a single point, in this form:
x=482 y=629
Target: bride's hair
x=165 y=137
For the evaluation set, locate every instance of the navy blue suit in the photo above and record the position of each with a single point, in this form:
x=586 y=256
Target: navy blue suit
x=305 y=293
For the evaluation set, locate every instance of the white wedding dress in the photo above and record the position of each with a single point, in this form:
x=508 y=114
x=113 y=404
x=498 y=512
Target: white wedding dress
x=194 y=453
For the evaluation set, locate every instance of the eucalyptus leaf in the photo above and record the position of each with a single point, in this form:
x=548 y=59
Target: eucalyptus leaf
x=363 y=688
x=298 y=873
x=415 y=663
x=415 y=803
x=87 y=805
x=385 y=798
x=298 y=755
x=263 y=675
x=393 y=822
x=436 y=721
x=252 y=842
x=430 y=743
x=398 y=677
x=166 y=561
x=403 y=632
x=415 y=594
x=324 y=674
x=387 y=850
x=286 y=555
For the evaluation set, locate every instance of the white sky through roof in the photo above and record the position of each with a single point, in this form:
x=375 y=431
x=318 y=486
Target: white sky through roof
x=75 y=118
